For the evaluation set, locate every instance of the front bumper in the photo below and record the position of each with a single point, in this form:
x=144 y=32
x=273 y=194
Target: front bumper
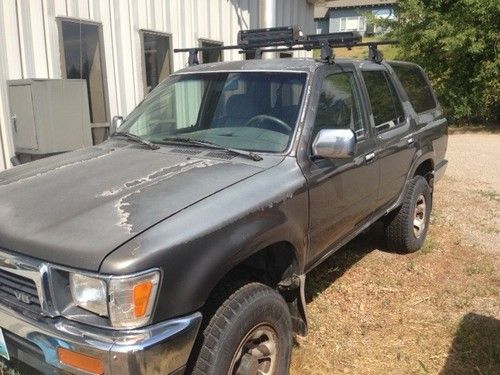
x=162 y=348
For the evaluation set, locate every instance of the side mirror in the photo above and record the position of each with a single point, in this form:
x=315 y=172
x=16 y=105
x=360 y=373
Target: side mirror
x=334 y=144
x=116 y=122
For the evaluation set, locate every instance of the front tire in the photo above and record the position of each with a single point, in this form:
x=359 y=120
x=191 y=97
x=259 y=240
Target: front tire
x=251 y=333
x=406 y=228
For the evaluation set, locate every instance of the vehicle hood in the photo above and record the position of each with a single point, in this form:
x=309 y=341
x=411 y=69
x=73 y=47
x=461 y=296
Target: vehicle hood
x=74 y=209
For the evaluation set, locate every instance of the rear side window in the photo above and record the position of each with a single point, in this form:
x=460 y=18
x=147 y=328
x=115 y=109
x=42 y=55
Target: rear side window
x=386 y=105
x=419 y=92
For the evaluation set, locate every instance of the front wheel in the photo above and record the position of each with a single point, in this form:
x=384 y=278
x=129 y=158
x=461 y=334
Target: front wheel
x=250 y=334
x=406 y=229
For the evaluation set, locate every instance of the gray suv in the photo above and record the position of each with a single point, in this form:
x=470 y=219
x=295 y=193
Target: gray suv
x=182 y=244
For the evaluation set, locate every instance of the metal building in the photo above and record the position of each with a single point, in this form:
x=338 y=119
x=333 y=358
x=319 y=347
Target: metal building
x=122 y=48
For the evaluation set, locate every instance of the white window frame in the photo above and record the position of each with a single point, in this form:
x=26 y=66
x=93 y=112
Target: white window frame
x=361 y=21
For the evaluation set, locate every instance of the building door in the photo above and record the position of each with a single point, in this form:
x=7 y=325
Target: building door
x=157 y=60
x=83 y=58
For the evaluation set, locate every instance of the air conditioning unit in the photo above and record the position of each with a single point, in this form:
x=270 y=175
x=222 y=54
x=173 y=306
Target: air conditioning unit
x=49 y=116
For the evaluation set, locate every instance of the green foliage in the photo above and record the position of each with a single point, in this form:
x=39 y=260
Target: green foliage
x=457 y=42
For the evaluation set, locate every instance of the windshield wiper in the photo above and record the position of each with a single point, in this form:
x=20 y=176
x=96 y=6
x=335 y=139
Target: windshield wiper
x=249 y=154
x=138 y=139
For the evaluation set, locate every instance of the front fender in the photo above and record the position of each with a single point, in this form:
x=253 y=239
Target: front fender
x=198 y=246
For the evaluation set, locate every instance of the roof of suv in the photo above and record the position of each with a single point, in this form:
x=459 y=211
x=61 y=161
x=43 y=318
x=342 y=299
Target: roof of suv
x=292 y=64
x=288 y=64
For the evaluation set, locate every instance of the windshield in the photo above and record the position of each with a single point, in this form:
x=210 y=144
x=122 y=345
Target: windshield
x=246 y=111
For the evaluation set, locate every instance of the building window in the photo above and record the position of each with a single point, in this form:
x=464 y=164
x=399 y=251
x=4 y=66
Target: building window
x=210 y=56
x=286 y=55
x=83 y=58
x=322 y=25
x=352 y=23
x=157 y=58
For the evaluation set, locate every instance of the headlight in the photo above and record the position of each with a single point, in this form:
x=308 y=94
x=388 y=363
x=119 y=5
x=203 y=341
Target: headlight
x=127 y=301
x=89 y=293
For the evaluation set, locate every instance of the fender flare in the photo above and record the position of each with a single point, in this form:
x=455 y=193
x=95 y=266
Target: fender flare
x=420 y=157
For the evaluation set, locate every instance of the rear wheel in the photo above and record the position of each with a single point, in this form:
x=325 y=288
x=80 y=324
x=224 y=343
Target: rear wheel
x=250 y=334
x=406 y=228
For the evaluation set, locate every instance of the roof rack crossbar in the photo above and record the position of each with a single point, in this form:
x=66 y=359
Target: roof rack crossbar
x=290 y=39
x=308 y=47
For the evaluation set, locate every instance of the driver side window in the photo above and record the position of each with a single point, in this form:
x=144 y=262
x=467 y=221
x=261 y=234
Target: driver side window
x=339 y=105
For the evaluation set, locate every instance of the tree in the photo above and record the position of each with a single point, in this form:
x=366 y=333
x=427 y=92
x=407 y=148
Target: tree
x=457 y=42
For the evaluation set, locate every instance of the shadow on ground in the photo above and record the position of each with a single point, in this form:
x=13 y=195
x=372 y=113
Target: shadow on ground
x=475 y=348
x=336 y=265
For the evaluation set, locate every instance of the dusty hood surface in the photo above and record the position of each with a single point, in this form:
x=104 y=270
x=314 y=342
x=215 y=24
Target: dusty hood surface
x=74 y=209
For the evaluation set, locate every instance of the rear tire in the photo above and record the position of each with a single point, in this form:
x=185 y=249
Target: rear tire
x=406 y=228
x=251 y=333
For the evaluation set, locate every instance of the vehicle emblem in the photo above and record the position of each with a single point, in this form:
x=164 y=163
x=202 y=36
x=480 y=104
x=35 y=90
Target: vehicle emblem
x=23 y=297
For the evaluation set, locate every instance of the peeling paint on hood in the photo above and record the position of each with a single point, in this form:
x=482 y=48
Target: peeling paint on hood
x=78 y=207
x=151 y=179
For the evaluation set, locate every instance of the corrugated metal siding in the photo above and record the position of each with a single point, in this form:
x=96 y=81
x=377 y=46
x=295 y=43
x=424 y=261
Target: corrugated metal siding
x=6 y=145
x=30 y=34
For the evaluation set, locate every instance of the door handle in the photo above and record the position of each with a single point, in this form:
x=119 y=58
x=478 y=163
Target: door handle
x=369 y=157
x=410 y=141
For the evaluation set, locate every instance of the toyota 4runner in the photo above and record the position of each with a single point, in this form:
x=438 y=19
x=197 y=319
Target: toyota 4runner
x=182 y=244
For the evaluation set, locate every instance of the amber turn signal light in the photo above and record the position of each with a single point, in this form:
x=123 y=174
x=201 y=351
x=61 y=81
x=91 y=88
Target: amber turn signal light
x=80 y=361
x=142 y=292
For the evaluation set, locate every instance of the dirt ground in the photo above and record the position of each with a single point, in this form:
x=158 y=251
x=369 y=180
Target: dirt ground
x=433 y=312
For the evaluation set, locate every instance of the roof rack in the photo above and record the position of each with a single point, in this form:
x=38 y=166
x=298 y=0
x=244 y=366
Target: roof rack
x=291 y=38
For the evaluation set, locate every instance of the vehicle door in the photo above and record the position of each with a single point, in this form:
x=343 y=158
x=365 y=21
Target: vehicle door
x=342 y=192
x=393 y=128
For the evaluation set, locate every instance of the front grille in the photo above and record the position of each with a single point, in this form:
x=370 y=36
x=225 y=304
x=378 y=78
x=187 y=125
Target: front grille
x=19 y=290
